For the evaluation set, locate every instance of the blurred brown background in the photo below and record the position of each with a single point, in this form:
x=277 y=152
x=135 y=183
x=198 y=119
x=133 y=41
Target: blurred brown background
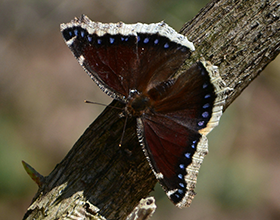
x=42 y=114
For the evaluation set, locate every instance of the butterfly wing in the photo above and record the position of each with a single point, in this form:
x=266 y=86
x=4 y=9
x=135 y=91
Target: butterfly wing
x=173 y=133
x=175 y=154
x=122 y=57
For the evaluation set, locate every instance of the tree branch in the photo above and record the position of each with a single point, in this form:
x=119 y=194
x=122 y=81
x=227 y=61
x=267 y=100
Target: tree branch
x=99 y=178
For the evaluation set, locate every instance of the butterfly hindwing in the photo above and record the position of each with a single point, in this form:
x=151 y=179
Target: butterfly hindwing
x=172 y=151
x=174 y=130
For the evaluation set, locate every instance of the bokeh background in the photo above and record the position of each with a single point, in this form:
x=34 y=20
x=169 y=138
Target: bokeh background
x=42 y=114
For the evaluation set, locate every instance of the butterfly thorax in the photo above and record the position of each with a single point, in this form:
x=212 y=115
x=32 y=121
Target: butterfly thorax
x=138 y=105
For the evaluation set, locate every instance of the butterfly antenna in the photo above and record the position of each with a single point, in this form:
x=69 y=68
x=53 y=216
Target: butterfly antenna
x=97 y=103
x=125 y=122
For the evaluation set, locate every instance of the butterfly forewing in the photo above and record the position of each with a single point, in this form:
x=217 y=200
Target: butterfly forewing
x=121 y=63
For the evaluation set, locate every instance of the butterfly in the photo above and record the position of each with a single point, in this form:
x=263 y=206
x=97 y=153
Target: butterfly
x=139 y=65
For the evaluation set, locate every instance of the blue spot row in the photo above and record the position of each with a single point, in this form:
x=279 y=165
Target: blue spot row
x=181 y=177
x=146 y=40
x=83 y=34
x=181 y=190
x=205 y=114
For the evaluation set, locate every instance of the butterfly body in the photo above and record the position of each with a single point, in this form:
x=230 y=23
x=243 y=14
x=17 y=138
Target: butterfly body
x=138 y=106
x=138 y=65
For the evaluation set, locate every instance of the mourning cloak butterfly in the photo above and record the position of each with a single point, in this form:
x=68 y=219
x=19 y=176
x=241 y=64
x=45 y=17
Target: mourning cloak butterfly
x=137 y=64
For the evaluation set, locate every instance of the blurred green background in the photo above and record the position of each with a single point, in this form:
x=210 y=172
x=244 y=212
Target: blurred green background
x=42 y=114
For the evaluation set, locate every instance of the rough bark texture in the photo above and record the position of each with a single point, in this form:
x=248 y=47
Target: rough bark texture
x=241 y=37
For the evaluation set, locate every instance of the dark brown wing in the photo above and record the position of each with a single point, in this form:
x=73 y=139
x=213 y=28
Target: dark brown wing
x=171 y=149
x=173 y=133
x=121 y=57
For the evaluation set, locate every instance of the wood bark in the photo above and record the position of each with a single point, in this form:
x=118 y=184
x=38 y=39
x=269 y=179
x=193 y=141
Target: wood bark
x=98 y=179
